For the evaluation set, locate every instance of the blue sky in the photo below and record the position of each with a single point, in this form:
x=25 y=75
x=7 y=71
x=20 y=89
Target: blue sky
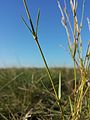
x=17 y=47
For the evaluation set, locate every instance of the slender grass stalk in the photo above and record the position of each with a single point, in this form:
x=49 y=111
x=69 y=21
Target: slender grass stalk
x=47 y=68
x=75 y=87
x=75 y=76
x=34 y=34
x=76 y=54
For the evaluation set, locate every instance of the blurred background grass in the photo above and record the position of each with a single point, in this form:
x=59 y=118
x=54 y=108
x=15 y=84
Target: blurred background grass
x=29 y=89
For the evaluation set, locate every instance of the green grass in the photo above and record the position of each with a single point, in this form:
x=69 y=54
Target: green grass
x=29 y=89
x=49 y=94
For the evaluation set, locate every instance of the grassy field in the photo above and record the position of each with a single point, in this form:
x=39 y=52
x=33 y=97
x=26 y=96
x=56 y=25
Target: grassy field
x=29 y=90
x=50 y=93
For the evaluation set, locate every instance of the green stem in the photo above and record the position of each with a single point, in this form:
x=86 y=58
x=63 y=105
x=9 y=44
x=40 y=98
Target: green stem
x=47 y=68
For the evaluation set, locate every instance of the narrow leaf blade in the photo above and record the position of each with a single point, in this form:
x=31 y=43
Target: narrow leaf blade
x=26 y=8
x=37 y=21
x=29 y=17
x=59 y=88
x=71 y=106
x=26 y=24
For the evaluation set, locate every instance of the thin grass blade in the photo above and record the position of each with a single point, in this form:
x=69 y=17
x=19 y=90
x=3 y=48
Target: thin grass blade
x=3 y=116
x=59 y=6
x=82 y=17
x=88 y=23
x=26 y=24
x=59 y=88
x=29 y=17
x=70 y=102
x=26 y=8
x=37 y=21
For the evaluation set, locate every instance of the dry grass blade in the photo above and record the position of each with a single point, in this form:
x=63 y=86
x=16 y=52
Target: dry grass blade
x=3 y=117
x=11 y=81
x=82 y=14
x=87 y=55
x=76 y=54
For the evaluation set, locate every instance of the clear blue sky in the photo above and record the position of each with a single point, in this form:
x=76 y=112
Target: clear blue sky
x=17 y=47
